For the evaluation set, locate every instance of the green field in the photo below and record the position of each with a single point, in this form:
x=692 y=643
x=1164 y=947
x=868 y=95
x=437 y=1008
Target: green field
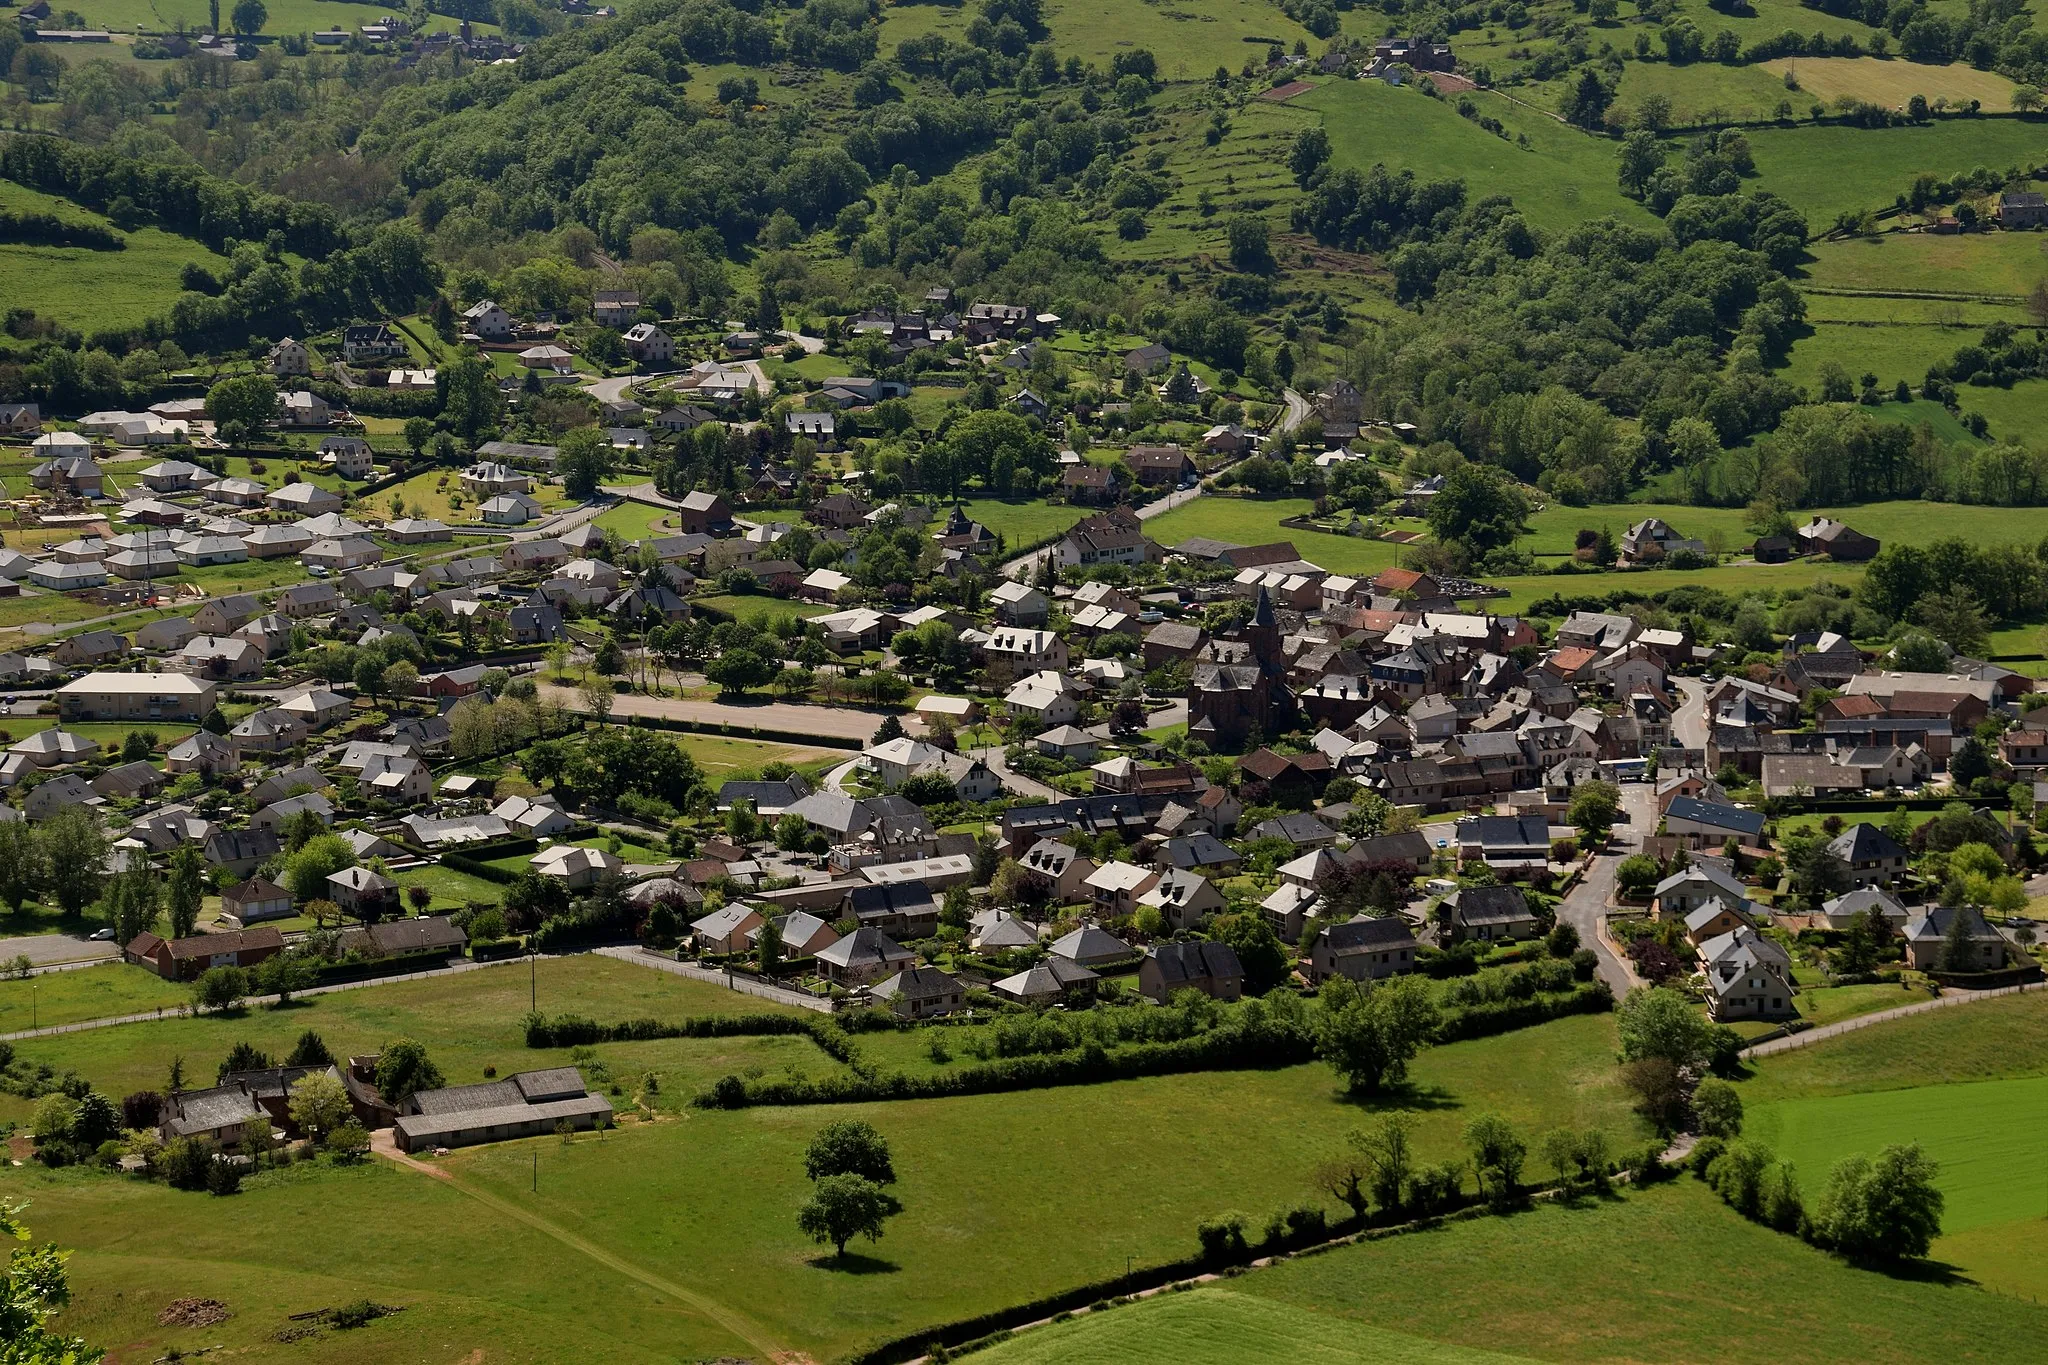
x=1213 y=1326
x=1648 y=1277
x=2009 y=263
x=760 y=609
x=101 y=992
x=285 y=16
x=631 y=520
x=1985 y=1040
x=1891 y=84
x=1256 y=521
x=707 y=1197
x=1562 y=178
x=1982 y=1134
x=1707 y=92
x=1824 y=170
x=1023 y=523
x=89 y=290
x=1191 y=38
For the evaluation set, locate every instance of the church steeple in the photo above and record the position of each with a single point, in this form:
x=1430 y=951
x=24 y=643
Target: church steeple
x=1263 y=632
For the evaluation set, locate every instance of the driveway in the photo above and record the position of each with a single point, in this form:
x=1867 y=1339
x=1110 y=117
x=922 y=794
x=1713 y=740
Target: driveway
x=1689 y=721
x=837 y=722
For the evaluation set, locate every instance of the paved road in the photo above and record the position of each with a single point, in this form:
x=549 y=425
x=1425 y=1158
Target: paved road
x=47 y=949
x=1689 y=722
x=842 y=722
x=1298 y=410
x=1586 y=907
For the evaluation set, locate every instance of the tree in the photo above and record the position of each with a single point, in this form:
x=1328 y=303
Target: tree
x=1958 y=953
x=1369 y=1035
x=1642 y=156
x=842 y=1207
x=349 y=1143
x=1594 y=809
x=1266 y=961
x=1658 y=1022
x=1587 y=104
x=75 y=850
x=585 y=459
x=1479 y=508
x=185 y=890
x=470 y=399
x=1885 y=1209
x=248 y=17
x=38 y=1287
x=1497 y=1156
x=249 y=400
x=740 y=670
x=131 y=904
x=369 y=676
x=221 y=988
x=319 y=1105
x=418 y=431
x=1390 y=1151
x=403 y=1070
x=1251 y=247
x=597 y=699
x=23 y=871
x=400 y=680
x=1718 y=1107
x=768 y=947
x=1310 y=152
x=285 y=975
x=310 y=1050
x=306 y=871
x=850 y=1147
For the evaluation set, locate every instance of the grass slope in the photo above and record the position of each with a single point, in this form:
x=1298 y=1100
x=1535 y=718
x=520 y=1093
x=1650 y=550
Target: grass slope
x=86 y=289
x=1980 y=1133
x=1646 y=1277
x=1562 y=177
x=1212 y=1326
x=1876 y=80
x=1979 y=263
x=1249 y=521
x=1824 y=170
x=1981 y=1041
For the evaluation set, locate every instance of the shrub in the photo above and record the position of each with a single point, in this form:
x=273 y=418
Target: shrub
x=223 y=1178
x=1222 y=1237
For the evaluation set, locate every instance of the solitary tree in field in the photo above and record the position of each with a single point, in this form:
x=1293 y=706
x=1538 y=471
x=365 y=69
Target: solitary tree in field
x=842 y=1207
x=850 y=1147
x=248 y=17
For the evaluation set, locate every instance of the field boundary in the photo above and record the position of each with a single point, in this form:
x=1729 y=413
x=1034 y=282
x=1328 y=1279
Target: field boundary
x=1807 y=1037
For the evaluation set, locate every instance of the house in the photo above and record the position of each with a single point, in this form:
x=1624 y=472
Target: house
x=530 y=1104
x=222 y=658
x=303 y=408
x=538 y=818
x=183 y=959
x=164 y=634
x=576 y=867
x=1184 y=897
x=20 y=419
x=1362 y=949
x=53 y=794
x=819 y=427
x=1652 y=540
x=362 y=893
x=1835 y=539
x=278 y=815
x=136 y=696
x=1209 y=967
x=701 y=513
x=429 y=938
x=1984 y=948
x=1489 y=914
x=865 y=955
x=221 y=1114
x=509 y=509
x=727 y=930
x=1112 y=537
x=304 y=500
x=803 y=934
x=1748 y=976
x=90 y=649
x=485 y=319
x=1697 y=884
x=1714 y=919
x=615 y=308
x=1049 y=982
x=1704 y=824
x=1846 y=909
x=239 y=851
x=2022 y=209
x=1509 y=844
x=417 y=530
x=906 y=909
x=1057 y=871
x=1020 y=604
x=1873 y=857
x=203 y=752
x=1160 y=465
x=649 y=345
x=919 y=992
x=1091 y=947
x=255 y=900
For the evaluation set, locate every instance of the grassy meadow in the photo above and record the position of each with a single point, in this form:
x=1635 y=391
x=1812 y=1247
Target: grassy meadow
x=1023 y=523
x=1256 y=521
x=1827 y=169
x=86 y=289
x=1889 y=83
x=2008 y=263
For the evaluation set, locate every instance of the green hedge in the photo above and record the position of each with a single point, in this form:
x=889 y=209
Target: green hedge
x=1505 y=1016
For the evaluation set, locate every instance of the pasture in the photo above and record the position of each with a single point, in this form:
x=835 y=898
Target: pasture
x=632 y=520
x=1887 y=83
x=1561 y=178
x=101 y=992
x=708 y=1198
x=285 y=16
x=1704 y=92
x=1191 y=38
x=1825 y=170
x=1256 y=521
x=86 y=289
x=2008 y=263
x=1981 y=1133
x=1985 y=1040
x=1216 y=1326
x=1679 y=1241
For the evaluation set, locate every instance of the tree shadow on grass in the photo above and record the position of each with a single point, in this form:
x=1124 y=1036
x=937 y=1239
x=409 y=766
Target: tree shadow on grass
x=1408 y=1097
x=1917 y=1272
x=853 y=1263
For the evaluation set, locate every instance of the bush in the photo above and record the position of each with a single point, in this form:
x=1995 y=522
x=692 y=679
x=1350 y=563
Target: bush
x=223 y=1178
x=185 y=1162
x=1222 y=1237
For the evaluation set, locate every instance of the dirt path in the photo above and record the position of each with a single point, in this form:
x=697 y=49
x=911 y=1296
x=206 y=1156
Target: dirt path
x=737 y=1324
x=840 y=722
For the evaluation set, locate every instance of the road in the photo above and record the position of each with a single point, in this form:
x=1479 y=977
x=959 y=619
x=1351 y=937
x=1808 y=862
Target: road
x=46 y=950
x=1298 y=410
x=1586 y=906
x=1689 y=721
x=837 y=722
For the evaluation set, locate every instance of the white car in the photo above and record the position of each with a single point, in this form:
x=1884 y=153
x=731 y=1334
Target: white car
x=105 y=935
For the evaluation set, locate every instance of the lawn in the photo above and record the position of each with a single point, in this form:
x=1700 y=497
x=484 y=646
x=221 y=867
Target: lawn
x=1561 y=178
x=631 y=520
x=434 y=492
x=89 y=290
x=1892 y=84
x=285 y=16
x=452 y=889
x=1981 y=1134
x=762 y=610
x=709 y=1197
x=1023 y=523
x=1256 y=521
x=2010 y=263
x=101 y=992
x=724 y=759
x=1215 y=1326
x=1736 y=579
x=1561 y=1297
x=1825 y=170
